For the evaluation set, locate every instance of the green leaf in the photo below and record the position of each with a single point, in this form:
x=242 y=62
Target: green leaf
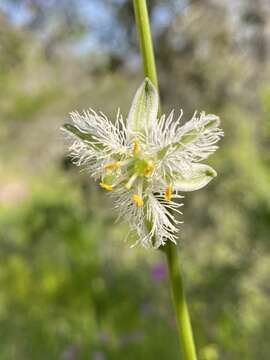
x=144 y=108
x=200 y=175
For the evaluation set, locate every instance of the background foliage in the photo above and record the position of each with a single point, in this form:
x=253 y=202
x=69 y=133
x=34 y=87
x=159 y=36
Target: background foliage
x=71 y=288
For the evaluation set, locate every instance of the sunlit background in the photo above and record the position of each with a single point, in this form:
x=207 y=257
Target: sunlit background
x=71 y=288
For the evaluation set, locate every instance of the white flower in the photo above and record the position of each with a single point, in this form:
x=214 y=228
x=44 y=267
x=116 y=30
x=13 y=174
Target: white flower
x=145 y=162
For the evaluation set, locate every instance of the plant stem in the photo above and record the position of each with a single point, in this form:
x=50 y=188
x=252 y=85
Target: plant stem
x=180 y=303
x=146 y=45
x=178 y=294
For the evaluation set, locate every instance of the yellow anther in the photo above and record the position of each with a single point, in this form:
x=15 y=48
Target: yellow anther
x=105 y=186
x=136 y=147
x=168 y=193
x=137 y=199
x=149 y=168
x=112 y=165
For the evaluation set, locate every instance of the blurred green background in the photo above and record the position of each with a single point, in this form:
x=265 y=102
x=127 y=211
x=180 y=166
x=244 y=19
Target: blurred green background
x=71 y=288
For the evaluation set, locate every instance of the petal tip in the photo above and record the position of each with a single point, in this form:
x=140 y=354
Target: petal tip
x=211 y=173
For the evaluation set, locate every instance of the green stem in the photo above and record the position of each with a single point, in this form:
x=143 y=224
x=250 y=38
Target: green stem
x=146 y=45
x=180 y=303
x=182 y=315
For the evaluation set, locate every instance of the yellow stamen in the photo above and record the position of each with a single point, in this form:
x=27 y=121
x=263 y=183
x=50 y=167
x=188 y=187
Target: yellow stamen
x=168 y=193
x=112 y=165
x=105 y=186
x=136 y=146
x=137 y=199
x=149 y=168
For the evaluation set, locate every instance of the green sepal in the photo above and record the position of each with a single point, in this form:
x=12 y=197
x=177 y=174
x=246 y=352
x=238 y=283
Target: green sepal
x=75 y=131
x=200 y=175
x=190 y=133
x=144 y=108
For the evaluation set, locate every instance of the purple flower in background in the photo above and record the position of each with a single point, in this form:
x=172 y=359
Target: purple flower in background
x=158 y=272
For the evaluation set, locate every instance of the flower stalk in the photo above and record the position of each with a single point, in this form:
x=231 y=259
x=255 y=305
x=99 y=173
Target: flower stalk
x=146 y=44
x=178 y=293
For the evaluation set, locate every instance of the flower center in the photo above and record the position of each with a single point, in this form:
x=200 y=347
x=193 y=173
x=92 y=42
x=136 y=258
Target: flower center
x=127 y=172
x=143 y=167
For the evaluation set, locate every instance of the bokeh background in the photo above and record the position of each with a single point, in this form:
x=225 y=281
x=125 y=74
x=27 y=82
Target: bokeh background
x=71 y=288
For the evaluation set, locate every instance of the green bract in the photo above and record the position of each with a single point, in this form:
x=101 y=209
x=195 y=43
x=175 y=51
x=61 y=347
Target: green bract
x=144 y=109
